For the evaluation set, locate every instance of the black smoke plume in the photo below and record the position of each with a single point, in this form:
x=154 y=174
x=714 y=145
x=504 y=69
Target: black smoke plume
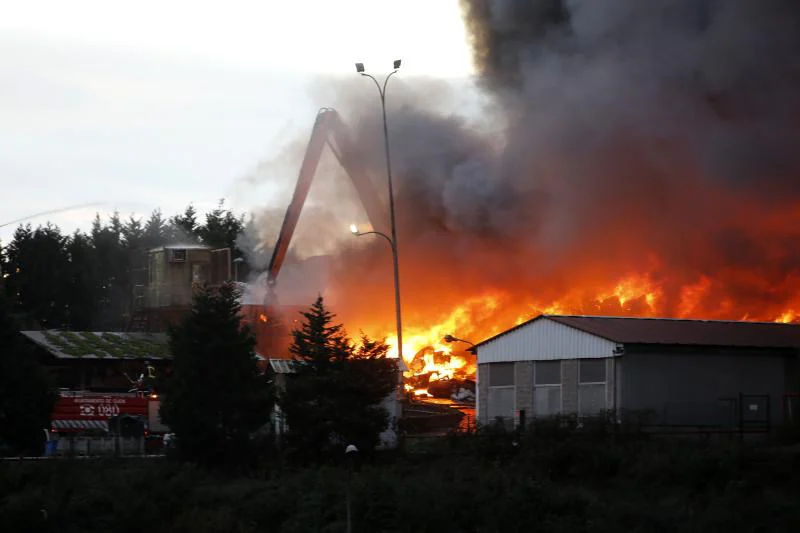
x=615 y=138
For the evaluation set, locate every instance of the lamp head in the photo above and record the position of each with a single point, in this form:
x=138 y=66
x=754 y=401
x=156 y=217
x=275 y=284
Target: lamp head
x=360 y=67
x=449 y=338
x=396 y=64
x=353 y=229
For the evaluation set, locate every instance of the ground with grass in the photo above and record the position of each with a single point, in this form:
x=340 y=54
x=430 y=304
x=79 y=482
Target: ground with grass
x=479 y=484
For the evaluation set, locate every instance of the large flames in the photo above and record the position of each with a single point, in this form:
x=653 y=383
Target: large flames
x=428 y=355
x=637 y=164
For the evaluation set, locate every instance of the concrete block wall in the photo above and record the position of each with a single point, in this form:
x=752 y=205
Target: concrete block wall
x=523 y=381
x=569 y=386
x=483 y=394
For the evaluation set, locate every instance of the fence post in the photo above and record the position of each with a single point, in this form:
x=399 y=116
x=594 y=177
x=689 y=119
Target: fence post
x=740 y=408
x=769 y=413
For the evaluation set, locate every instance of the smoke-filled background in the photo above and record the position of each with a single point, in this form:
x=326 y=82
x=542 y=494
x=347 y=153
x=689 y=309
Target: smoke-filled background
x=623 y=157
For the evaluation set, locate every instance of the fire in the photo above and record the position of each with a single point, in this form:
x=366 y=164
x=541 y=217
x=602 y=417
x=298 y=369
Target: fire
x=633 y=288
x=424 y=349
x=262 y=317
x=427 y=354
x=626 y=195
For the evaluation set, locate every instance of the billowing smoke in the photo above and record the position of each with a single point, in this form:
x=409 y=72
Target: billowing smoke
x=649 y=141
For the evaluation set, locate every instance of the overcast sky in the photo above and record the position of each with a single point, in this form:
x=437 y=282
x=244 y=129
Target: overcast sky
x=160 y=103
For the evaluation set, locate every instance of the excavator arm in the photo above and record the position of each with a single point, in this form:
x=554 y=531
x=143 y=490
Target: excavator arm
x=328 y=129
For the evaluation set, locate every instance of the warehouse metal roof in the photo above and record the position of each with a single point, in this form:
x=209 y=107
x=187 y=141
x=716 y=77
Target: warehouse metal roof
x=669 y=331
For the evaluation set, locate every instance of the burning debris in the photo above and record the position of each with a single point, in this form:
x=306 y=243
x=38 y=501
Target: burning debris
x=440 y=374
x=633 y=158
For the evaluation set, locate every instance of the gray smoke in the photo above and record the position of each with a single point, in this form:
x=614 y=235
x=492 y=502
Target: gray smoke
x=719 y=78
x=619 y=137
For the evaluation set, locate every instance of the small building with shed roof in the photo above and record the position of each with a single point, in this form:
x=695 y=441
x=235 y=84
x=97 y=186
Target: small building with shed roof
x=99 y=361
x=695 y=373
x=100 y=378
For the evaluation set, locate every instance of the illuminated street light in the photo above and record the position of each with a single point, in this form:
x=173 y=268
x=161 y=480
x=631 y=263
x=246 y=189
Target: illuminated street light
x=393 y=240
x=450 y=338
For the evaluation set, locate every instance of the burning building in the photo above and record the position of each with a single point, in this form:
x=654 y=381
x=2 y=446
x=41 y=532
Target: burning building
x=627 y=158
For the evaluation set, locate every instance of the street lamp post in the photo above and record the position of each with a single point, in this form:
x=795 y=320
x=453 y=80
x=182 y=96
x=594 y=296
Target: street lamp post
x=354 y=231
x=351 y=455
x=393 y=239
x=236 y=268
x=451 y=339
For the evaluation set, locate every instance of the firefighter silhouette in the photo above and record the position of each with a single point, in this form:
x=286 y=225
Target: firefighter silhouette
x=148 y=376
x=146 y=380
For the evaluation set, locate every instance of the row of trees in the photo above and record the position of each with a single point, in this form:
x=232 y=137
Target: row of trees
x=218 y=402
x=85 y=280
x=217 y=399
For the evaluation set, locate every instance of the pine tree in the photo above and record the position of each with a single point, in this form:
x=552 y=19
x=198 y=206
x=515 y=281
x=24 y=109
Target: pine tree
x=185 y=225
x=38 y=274
x=82 y=282
x=27 y=395
x=216 y=398
x=132 y=233
x=3 y=263
x=334 y=396
x=221 y=228
x=17 y=253
x=155 y=230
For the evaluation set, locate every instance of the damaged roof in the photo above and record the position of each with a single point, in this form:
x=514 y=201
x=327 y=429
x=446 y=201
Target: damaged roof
x=99 y=345
x=672 y=331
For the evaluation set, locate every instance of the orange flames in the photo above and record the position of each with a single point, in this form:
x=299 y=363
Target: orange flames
x=426 y=353
x=633 y=240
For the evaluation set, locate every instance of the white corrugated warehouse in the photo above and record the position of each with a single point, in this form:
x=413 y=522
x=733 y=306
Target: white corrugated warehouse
x=685 y=372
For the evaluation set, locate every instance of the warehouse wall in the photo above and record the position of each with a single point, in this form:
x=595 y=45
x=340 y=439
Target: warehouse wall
x=523 y=397
x=482 y=385
x=544 y=339
x=691 y=387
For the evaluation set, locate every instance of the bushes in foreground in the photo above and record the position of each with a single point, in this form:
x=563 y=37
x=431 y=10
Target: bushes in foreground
x=555 y=486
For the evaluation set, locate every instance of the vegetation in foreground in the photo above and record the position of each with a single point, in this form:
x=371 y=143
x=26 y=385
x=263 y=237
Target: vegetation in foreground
x=27 y=393
x=334 y=396
x=216 y=399
x=474 y=484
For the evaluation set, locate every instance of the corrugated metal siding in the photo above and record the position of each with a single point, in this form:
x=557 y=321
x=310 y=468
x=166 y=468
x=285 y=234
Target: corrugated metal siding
x=544 y=339
x=673 y=385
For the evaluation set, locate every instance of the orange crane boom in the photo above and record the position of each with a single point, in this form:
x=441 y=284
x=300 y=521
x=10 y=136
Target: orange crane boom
x=328 y=129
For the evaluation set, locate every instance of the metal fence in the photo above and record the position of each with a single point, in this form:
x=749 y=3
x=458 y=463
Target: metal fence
x=791 y=409
x=742 y=414
x=93 y=446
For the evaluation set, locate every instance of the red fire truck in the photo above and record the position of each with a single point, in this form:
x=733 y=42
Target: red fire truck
x=79 y=416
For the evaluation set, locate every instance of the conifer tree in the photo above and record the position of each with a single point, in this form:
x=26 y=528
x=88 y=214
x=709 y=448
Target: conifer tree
x=334 y=396
x=216 y=398
x=27 y=394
